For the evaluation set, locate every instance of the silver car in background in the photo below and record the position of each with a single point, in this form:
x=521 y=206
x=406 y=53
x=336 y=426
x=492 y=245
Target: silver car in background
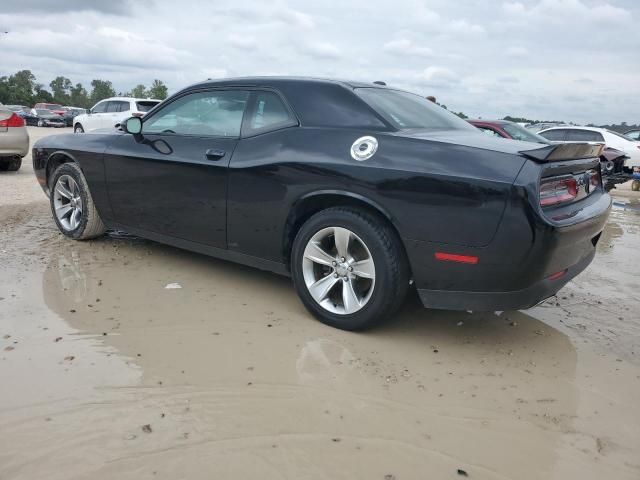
x=14 y=140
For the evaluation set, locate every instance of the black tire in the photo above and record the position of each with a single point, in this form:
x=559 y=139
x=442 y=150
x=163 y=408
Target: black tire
x=387 y=252
x=90 y=225
x=14 y=164
x=78 y=128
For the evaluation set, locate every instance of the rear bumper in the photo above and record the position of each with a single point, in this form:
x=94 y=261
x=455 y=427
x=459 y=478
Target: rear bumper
x=14 y=141
x=493 y=301
x=516 y=270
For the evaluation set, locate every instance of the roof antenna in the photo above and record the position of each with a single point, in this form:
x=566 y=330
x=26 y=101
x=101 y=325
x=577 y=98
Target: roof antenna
x=379 y=82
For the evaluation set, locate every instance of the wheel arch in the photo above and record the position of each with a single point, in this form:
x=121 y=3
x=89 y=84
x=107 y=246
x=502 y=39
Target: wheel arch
x=314 y=202
x=56 y=159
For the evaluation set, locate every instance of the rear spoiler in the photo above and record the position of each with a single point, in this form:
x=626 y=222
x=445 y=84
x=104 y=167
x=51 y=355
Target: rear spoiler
x=564 y=151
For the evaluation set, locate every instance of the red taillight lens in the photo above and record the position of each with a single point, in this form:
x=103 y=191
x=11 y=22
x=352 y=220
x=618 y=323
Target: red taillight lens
x=14 y=120
x=553 y=192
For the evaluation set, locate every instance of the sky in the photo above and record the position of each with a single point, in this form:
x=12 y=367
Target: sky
x=572 y=60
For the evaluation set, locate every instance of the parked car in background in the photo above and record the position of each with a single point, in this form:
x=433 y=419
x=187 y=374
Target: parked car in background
x=109 y=113
x=54 y=107
x=25 y=113
x=358 y=191
x=507 y=129
x=46 y=118
x=633 y=135
x=571 y=134
x=14 y=140
x=611 y=159
x=70 y=113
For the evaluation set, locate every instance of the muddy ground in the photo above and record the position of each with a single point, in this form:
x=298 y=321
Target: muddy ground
x=105 y=373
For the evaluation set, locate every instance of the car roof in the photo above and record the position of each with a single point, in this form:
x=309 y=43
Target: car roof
x=268 y=81
x=128 y=99
x=575 y=127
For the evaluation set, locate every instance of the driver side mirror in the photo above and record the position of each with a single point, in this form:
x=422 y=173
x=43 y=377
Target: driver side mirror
x=133 y=125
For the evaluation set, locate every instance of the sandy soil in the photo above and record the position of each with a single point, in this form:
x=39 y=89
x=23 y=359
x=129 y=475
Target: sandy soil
x=105 y=373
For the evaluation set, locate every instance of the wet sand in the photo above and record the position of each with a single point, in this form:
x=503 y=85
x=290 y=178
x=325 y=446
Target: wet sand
x=107 y=374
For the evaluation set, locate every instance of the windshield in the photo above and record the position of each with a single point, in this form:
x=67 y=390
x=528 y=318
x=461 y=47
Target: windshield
x=518 y=132
x=406 y=110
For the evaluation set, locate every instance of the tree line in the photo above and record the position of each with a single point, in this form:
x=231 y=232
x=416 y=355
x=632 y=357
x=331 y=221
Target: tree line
x=22 y=88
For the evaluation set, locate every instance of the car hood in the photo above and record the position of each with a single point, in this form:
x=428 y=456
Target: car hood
x=471 y=138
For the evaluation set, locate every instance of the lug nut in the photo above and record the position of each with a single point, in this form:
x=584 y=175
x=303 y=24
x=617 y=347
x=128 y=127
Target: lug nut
x=335 y=275
x=334 y=263
x=342 y=259
x=351 y=269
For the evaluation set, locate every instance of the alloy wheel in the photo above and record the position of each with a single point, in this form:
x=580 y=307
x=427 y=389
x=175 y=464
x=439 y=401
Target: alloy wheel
x=338 y=270
x=67 y=202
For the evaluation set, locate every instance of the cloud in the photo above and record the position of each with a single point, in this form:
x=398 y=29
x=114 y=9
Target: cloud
x=483 y=58
x=404 y=46
x=517 y=52
x=117 y=7
x=322 y=50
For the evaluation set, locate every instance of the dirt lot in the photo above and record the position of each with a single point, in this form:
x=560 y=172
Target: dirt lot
x=108 y=374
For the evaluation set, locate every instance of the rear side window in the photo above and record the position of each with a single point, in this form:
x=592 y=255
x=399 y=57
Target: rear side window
x=329 y=105
x=117 y=106
x=554 y=135
x=268 y=113
x=584 y=136
x=145 y=106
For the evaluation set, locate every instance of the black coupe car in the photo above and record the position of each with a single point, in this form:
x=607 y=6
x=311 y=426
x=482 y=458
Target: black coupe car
x=358 y=191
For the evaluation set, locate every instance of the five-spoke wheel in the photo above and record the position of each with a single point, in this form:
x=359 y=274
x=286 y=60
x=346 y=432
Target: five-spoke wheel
x=67 y=202
x=349 y=268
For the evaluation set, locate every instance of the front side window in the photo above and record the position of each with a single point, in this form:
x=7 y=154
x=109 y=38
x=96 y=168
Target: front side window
x=269 y=113
x=633 y=135
x=212 y=113
x=406 y=110
x=100 y=108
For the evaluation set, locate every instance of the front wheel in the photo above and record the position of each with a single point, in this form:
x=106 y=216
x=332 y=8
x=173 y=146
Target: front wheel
x=78 y=129
x=40 y=123
x=72 y=206
x=349 y=268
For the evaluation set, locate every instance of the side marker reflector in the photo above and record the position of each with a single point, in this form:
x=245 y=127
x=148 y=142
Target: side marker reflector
x=451 y=257
x=557 y=275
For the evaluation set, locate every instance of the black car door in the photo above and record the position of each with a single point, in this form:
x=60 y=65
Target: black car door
x=173 y=179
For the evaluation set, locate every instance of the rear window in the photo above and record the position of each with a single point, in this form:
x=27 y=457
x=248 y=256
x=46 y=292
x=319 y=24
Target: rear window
x=146 y=105
x=406 y=110
x=554 y=135
x=584 y=136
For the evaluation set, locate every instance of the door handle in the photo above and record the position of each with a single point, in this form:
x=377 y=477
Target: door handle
x=215 y=153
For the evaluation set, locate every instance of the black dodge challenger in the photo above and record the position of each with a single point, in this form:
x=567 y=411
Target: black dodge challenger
x=358 y=191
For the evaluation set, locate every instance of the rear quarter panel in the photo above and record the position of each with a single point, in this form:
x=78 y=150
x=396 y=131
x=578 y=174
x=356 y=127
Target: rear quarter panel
x=432 y=191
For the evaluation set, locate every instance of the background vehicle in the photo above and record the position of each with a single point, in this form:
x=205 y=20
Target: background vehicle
x=54 y=107
x=109 y=113
x=46 y=118
x=14 y=140
x=351 y=188
x=633 y=135
x=70 y=113
x=25 y=113
x=507 y=129
x=611 y=159
x=568 y=134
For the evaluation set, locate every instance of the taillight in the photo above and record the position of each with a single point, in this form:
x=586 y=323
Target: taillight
x=557 y=191
x=14 y=120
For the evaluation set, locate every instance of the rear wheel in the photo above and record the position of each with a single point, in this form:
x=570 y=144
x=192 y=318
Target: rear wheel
x=14 y=164
x=78 y=128
x=40 y=123
x=72 y=206
x=349 y=268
